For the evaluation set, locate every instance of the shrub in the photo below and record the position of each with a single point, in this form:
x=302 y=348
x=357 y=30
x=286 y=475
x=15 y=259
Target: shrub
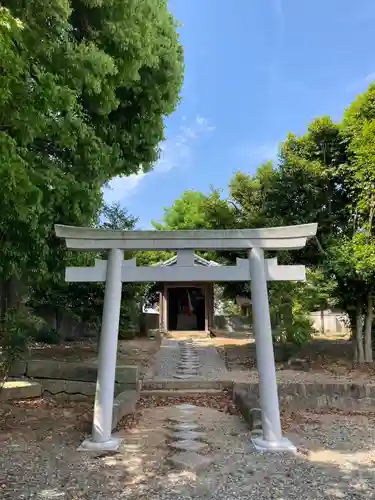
x=17 y=328
x=48 y=336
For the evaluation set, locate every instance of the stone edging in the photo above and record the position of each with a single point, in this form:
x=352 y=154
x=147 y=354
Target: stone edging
x=72 y=379
x=300 y=395
x=125 y=403
x=306 y=395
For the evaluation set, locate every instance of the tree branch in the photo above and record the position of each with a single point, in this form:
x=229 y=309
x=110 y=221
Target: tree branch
x=319 y=245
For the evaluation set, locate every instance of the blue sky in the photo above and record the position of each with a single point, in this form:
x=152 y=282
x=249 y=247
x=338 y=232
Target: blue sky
x=255 y=70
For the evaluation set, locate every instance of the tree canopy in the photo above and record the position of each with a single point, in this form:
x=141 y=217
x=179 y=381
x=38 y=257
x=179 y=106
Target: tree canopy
x=85 y=86
x=327 y=176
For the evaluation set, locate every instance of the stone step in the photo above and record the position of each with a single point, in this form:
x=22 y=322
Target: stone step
x=191 y=383
x=173 y=393
x=125 y=403
x=20 y=389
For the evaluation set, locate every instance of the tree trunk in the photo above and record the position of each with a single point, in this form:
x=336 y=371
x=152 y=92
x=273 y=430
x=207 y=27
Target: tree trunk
x=10 y=294
x=368 y=329
x=322 y=328
x=353 y=333
x=3 y=298
x=359 y=335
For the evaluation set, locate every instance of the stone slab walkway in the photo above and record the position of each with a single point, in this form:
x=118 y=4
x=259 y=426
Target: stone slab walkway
x=210 y=366
x=182 y=451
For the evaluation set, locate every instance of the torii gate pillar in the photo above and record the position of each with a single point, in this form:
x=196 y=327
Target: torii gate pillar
x=269 y=402
x=102 y=438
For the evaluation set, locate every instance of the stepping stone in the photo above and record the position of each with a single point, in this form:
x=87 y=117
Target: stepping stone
x=184 y=426
x=190 y=460
x=186 y=406
x=188 y=445
x=187 y=418
x=189 y=435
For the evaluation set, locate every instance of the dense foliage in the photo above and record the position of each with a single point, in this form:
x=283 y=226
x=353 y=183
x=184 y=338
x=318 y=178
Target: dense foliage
x=326 y=176
x=85 y=86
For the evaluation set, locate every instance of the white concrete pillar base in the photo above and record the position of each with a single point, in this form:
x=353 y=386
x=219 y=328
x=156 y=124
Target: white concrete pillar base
x=273 y=446
x=113 y=444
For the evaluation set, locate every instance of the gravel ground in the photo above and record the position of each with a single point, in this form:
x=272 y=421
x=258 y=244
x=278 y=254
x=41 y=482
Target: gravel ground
x=39 y=459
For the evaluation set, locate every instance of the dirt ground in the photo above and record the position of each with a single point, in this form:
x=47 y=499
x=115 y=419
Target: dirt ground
x=331 y=355
x=138 y=351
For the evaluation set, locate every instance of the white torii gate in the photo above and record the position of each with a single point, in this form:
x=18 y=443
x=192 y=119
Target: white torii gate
x=116 y=270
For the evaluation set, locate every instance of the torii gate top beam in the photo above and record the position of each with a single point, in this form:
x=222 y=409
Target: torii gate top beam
x=274 y=238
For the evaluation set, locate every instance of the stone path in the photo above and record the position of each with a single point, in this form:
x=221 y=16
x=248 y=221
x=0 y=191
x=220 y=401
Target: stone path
x=183 y=451
x=187 y=359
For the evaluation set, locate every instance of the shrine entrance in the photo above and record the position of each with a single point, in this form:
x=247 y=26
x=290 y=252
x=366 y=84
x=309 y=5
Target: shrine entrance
x=186 y=308
x=185 y=269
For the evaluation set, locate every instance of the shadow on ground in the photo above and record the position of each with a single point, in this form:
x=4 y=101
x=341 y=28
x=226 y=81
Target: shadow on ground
x=39 y=458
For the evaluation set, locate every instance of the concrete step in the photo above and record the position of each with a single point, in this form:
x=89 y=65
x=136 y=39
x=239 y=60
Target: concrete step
x=192 y=384
x=20 y=389
x=125 y=403
x=175 y=393
x=185 y=335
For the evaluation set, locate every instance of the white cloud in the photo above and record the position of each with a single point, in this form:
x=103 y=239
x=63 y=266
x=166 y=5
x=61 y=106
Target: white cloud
x=174 y=152
x=361 y=83
x=277 y=4
x=120 y=187
x=255 y=154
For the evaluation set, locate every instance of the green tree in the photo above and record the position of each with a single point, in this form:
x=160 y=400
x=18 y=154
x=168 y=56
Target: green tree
x=324 y=176
x=84 y=301
x=196 y=210
x=84 y=86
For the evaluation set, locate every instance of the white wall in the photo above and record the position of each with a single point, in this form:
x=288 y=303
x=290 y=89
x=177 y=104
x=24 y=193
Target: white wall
x=331 y=321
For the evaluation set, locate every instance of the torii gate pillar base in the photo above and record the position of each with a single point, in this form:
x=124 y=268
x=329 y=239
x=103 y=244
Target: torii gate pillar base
x=112 y=444
x=282 y=445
